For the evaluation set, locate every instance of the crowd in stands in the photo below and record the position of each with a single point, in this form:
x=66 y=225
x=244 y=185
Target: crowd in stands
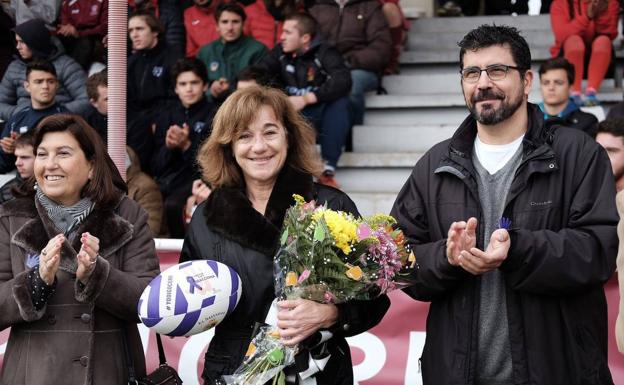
x=186 y=57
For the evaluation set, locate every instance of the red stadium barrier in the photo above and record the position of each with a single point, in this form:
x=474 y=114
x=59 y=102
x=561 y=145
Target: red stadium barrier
x=387 y=354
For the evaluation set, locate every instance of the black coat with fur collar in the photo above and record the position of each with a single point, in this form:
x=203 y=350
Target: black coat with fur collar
x=76 y=338
x=228 y=229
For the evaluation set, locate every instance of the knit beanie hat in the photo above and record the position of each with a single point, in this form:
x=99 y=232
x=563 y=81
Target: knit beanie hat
x=37 y=37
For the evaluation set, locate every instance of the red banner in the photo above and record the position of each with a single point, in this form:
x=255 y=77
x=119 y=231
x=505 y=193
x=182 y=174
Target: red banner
x=387 y=354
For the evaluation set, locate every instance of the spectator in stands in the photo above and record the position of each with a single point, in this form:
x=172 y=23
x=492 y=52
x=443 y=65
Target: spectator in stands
x=200 y=24
x=7 y=48
x=97 y=115
x=143 y=190
x=514 y=292
x=41 y=84
x=556 y=77
x=34 y=42
x=169 y=13
x=24 y=161
x=317 y=82
x=583 y=33
x=265 y=20
x=149 y=82
x=179 y=131
x=399 y=25
x=616 y=111
x=233 y=51
x=364 y=42
x=253 y=76
x=45 y=10
x=82 y=27
x=610 y=135
x=199 y=193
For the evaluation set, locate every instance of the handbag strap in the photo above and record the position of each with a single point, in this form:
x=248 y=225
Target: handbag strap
x=129 y=362
x=161 y=351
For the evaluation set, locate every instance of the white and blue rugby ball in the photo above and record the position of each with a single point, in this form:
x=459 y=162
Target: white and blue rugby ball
x=190 y=298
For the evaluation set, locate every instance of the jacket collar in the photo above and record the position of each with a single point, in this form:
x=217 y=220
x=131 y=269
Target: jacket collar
x=112 y=230
x=538 y=133
x=229 y=212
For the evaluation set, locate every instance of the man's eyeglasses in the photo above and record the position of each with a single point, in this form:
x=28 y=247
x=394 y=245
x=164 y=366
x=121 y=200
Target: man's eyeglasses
x=494 y=72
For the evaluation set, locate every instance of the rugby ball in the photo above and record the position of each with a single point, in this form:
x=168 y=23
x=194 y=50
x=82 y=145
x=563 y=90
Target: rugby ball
x=190 y=298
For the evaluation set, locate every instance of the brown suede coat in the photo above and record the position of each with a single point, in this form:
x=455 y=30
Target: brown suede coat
x=77 y=337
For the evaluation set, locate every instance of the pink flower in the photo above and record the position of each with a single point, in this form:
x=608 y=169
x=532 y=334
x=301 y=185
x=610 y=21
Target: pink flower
x=304 y=275
x=363 y=231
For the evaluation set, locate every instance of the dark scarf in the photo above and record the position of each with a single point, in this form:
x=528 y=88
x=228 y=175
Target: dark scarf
x=229 y=212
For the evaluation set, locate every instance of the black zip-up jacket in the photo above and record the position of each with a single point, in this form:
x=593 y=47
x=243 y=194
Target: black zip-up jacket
x=173 y=168
x=228 y=229
x=321 y=70
x=563 y=248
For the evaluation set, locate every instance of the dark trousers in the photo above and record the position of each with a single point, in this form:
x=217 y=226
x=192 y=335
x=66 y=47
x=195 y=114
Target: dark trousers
x=331 y=121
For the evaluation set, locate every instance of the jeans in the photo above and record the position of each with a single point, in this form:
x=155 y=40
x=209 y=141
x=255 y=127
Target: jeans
x=331 y=121
x=363 y=81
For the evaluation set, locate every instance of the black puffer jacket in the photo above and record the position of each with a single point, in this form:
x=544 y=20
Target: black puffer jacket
x=320 y=69
x=228 y=229
x=563 y=247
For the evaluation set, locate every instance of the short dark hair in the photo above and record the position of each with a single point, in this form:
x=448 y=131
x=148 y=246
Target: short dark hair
x=25 y=139
x=94 y=81
x=613 y=126
x=193 y=65
x=306 y=24
x=230 y=7
x=106 y=182
x=255 y=73
x=40 y=65
x=487 y=35
x=558 y=63
x=151 y=21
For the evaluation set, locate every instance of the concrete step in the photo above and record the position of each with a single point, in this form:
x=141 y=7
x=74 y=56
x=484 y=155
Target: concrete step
x=411 y=116
x=373 y=203
x=448 y=40
x=464 y=24
x=445 y=79
x=383 y=159
x=429 y=56
x=456 y=99
x=398 y=139
x=375 y=180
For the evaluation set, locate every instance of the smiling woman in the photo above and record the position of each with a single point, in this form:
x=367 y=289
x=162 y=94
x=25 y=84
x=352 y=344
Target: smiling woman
x=260 y=153
x=75 y=255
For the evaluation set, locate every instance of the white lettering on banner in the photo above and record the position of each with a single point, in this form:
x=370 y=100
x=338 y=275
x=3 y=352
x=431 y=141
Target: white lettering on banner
x=413 y=376
x=3 y=348
x=192 y=352
x=374 y=356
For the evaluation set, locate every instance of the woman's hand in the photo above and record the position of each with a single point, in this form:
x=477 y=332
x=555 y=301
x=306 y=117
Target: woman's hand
x=300 y=318
x=87 y=257
x=50 y=258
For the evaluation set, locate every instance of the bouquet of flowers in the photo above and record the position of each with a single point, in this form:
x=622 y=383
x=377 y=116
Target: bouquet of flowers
x=327 y=256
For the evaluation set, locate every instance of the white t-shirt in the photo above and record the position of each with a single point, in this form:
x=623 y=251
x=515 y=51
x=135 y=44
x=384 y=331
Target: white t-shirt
x=493 y=157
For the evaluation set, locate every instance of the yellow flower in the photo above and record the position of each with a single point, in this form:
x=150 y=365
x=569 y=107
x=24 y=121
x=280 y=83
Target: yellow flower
x=342 y=228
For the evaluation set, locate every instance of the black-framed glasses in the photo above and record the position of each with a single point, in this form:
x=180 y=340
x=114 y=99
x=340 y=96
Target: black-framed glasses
x=494 y=72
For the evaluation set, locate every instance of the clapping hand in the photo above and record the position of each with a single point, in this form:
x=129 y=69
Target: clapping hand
x=50 y=258
x=87 y=257
x=461 y=236
x=478 y=262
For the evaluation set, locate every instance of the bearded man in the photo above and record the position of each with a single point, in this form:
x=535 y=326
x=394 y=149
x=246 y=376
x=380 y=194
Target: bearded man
x=513 y=224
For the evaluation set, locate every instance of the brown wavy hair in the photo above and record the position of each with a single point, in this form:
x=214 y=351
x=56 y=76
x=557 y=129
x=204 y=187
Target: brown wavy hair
x=215 y=157
x=106 y=183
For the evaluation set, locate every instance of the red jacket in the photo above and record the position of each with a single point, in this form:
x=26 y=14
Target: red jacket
x=201 y=28
x=261 y=25
x=563 y=26
x=89 y=17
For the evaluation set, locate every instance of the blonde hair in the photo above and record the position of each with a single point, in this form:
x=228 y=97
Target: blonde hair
x=215 y=157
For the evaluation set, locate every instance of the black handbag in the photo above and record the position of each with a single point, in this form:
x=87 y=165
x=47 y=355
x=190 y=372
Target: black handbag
x=163 y=375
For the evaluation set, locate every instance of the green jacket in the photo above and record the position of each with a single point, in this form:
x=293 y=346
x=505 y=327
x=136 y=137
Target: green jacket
x=227 y=60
